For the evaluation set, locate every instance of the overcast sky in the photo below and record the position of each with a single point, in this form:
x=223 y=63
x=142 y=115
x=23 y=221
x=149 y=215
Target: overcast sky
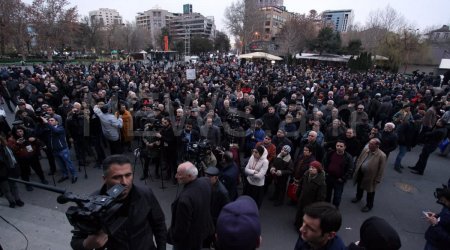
x=420 y=13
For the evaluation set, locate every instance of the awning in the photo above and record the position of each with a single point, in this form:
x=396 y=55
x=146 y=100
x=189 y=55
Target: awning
x=445 y=64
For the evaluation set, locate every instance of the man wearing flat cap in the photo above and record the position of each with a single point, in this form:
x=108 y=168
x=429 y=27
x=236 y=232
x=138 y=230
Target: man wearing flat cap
x=219 y=198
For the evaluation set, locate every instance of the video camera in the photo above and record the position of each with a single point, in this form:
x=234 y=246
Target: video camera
x=91 y=214
x=199 y=149
x=152 y=124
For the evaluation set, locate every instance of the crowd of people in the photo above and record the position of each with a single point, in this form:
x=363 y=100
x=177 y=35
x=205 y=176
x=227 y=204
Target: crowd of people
x=311 y=127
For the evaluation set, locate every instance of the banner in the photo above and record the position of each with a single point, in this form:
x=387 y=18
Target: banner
x=190 y=74
x=166 y=43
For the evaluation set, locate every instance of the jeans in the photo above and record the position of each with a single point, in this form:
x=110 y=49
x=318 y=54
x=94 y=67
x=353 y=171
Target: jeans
x=402 y=150
x=335 y=188
x=64 y=162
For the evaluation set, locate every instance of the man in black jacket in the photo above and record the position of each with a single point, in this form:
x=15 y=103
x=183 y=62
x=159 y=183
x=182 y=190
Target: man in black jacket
x=191 y=218
x=388 y=139
x=169 y=147
x=338 y=165
x=144 y=216
x=432 y=140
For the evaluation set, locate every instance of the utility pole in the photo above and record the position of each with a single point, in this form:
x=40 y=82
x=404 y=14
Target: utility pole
x=187 y=41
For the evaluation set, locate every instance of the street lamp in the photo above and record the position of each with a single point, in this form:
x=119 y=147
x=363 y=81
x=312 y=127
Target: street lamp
x=256 y=35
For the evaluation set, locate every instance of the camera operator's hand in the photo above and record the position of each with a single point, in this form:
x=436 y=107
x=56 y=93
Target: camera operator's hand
x=97 y=240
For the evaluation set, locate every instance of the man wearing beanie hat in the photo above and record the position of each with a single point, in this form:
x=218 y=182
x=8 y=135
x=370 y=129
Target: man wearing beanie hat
x=376 y=234
x=238 y=225
x=280 y=170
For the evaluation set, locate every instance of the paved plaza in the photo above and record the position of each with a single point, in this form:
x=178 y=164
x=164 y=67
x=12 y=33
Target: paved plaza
x=400 y=199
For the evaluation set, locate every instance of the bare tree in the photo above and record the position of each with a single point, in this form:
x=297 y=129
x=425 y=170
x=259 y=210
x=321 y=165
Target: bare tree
x=13 y=26
x=91 y=34
x=53 y=23
x=234 y=18
x=297 y=32
x=140 y=39
x=245 y=20
x=380 y=23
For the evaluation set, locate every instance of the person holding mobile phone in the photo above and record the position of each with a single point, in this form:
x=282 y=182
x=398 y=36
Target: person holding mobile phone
x=438 y=233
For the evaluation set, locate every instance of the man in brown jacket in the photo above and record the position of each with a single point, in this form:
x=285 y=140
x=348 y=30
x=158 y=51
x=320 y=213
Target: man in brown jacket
x=369 y=170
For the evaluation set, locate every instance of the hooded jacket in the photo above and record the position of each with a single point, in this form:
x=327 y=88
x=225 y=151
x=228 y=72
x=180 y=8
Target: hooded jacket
x=257 y=165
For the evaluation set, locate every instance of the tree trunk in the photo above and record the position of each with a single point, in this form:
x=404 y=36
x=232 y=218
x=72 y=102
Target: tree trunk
x=49 y=54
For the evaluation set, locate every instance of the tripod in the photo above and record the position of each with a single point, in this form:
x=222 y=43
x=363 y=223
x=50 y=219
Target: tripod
x=85 y=173
x=138 y=156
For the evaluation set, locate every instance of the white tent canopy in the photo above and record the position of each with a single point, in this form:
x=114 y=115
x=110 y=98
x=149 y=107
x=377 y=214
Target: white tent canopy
x=260 y=55
x=445 y=64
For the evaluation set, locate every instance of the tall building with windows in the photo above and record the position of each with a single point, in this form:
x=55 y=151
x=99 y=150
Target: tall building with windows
x=192 y=24
x=339 y=20
x=154 y=20
x=106 y=17
x=275 y=17
x=269 y=3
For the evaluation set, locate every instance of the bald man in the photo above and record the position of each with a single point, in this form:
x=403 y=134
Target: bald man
x=191 y=218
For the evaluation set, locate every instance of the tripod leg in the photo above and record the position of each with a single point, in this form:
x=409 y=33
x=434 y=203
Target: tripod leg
x=85 y=172
x=142 y=166
x=161 y=174
x=53 y=178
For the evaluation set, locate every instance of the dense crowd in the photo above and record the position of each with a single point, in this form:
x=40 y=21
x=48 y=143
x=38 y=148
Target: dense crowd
x=309 y=127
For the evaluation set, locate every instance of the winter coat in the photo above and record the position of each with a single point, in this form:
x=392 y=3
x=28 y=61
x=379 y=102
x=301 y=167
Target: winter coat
x=439 y=235
x=333 y=244
x=260 y=166
x=302 y=165
x=6 y=170
x=56 y=137
x=271 y=150
x=388 y=141
x=407 y=134
x=374 y=172
x=219 y=198
x=311 y=189
x=126 y=131
x=24 y=150
x=284 y=164
x=191 y=215
x=144 y=226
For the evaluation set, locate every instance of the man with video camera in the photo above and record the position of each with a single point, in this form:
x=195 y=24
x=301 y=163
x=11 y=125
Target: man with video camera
x=144 y=217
